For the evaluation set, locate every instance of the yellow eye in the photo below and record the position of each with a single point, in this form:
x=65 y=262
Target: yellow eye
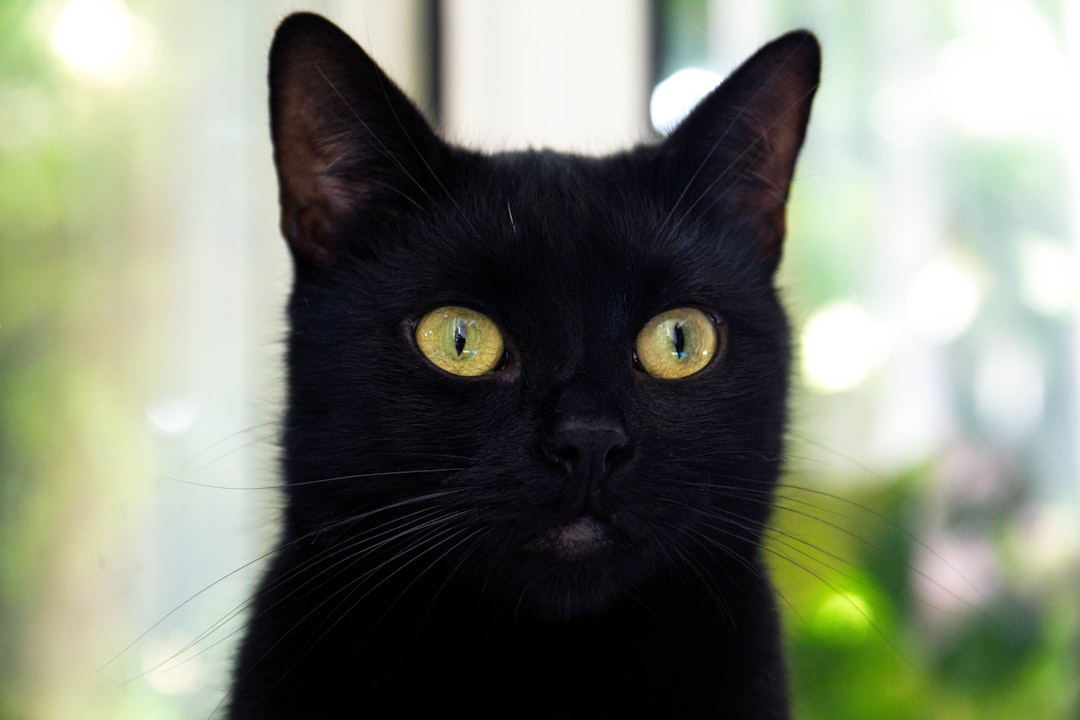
x=677 y=343
x=460 y=341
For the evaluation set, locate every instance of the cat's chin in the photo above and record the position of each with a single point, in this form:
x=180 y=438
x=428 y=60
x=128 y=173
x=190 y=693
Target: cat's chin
x=581 y=539
x=577 y=568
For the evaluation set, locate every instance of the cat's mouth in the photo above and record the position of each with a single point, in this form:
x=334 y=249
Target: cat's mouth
x=578 y=539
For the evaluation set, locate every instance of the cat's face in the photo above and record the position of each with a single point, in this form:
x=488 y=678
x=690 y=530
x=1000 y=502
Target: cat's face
x=559 y=378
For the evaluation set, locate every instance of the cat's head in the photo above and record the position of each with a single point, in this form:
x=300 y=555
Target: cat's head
x=562 y=376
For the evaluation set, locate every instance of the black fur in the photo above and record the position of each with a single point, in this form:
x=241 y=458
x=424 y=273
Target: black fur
x=421 y=570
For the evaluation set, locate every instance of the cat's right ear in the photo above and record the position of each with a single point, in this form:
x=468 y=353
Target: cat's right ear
x=348 y=144
x=738 y=147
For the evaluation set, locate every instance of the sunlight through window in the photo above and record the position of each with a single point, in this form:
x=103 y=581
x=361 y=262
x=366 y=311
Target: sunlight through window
x=943 y=300
x=674 y=98
x=841 y=346
x=99 y=39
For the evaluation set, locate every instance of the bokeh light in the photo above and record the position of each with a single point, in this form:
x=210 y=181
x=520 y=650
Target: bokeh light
x=100 y=39
x=841 y=345
x=674 y=97
x=943 y=299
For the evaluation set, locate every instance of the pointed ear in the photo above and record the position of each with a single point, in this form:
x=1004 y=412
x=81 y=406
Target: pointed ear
x=348 y=144
x=737 y=149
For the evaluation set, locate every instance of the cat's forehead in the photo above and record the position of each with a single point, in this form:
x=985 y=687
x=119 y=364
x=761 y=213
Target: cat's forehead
x=546 y=222
x=546 y=209
x=542 y=222
x=563 y=196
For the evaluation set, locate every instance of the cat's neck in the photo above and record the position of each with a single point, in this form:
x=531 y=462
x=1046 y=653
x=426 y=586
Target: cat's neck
x=415 y=640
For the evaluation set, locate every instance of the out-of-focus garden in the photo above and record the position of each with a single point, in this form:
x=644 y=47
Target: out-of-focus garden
x=927 y=546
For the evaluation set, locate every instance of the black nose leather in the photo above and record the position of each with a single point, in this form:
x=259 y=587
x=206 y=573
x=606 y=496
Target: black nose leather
x=588 y=447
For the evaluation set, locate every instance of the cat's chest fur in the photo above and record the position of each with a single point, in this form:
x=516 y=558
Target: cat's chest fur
x=536 y=408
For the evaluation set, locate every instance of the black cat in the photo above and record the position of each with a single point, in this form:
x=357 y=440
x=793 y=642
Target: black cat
x=536 y=404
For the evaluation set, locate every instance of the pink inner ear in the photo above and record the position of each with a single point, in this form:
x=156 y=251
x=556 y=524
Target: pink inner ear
x=784 y=133
x=347 y=141
x=757 y=119
x=312 y=201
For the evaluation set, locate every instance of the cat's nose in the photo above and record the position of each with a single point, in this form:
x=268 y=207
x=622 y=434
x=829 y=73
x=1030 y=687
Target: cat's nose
x=588 y=447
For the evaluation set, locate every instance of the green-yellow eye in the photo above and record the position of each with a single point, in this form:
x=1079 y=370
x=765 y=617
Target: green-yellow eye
x=677 y=343
x=460 y=341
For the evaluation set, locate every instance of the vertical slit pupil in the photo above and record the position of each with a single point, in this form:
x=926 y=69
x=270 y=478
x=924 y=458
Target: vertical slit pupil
x=460 y=333
x=678 y=339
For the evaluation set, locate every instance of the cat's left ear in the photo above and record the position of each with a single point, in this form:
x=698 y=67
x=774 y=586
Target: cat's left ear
x=736 y=151
x=348 y=144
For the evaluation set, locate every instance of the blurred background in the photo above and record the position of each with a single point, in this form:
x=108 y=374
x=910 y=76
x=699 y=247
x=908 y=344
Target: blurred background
x=928 y=536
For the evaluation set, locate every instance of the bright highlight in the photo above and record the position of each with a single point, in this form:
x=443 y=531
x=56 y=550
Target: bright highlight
x=841 y=345
x=845 y=617
x=943 y=300
x=675 y=96
x=97 y=38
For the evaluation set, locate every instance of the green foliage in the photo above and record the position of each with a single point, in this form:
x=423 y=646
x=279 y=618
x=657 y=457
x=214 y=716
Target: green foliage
x=861 y=644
